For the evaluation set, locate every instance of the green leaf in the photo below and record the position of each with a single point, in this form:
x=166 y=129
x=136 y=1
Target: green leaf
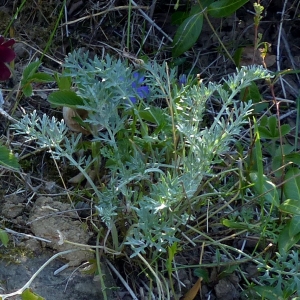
x=259 y=159
x=265 y=133
x=269 y=293
x=29 y=71
x=172 y=250
x=63 y=82
x=200 y=7
x=4 y=237
x=41 y=77
x=263 y=186
x=294 y=227
x=225 y=8
x=285 y=241
x=290 y=206
x=251 y=93
x=233 y=224
x=227 y=271
x=29 y=295
x=263 y=121
x=293 y=157
x=27 y=90
x=202 y=273
x=270 y=131
x=8 y=159
x=279 y=160
x=272 y=122
x=237 y=57
x=285 y=129
x=187 y=34
x=65 y=98
x=291 y=188
x=178 y=17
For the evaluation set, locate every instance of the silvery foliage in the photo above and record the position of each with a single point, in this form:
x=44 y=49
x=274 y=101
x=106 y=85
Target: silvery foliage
x=282 y=273
x=157 y=197
x=48 y=133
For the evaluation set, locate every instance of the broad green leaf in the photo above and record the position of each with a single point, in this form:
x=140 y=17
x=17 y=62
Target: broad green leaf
x=294 y=227
x=156 y=115
x=29 y=295
x=4 y=237
x=272 y=122
x=8 y=159
x=285 y=149
x=251 y=93
x=285 y=241
x=65 y=98
x=259 y=107
x=63 y=82
x=233 y=224
x=291 y=187
x=263 y=121
x=285 y=129
x=200 y=7
x=279 y=160
x=178 y=17
x=224 y=8
x=41 y=77
x=202 y=273
x=270 y=131
x=187 y=34
x=237 y=57
x=29 y=71
x=265 y=133
x=293 y=157
x=265 y=188
x=27 y=90
x=291 y=206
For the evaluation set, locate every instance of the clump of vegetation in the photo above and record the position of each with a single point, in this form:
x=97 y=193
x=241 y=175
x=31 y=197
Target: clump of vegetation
x=158 y=156
x=174 y=163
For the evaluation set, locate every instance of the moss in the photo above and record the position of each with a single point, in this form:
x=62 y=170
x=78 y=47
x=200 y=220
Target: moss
x=5 y=18
x=13 y=254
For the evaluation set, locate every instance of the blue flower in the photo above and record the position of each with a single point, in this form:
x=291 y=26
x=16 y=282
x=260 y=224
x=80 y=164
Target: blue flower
x=141 y=90
x=182 y=79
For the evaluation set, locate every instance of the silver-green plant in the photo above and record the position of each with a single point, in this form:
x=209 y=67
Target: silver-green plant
x=156 y=148
x=280 y=277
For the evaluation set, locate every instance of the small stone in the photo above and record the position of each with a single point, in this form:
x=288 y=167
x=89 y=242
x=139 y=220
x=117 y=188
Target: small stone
x=11 y=210
x=49 y=221
x=225 y=290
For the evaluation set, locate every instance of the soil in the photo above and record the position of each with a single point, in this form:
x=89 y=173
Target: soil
x=49 y=222
x=69 y=284
x=30 y=206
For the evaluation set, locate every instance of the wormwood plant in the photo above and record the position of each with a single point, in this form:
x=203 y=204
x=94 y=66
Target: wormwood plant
x=156 y=149
x=280 y=277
